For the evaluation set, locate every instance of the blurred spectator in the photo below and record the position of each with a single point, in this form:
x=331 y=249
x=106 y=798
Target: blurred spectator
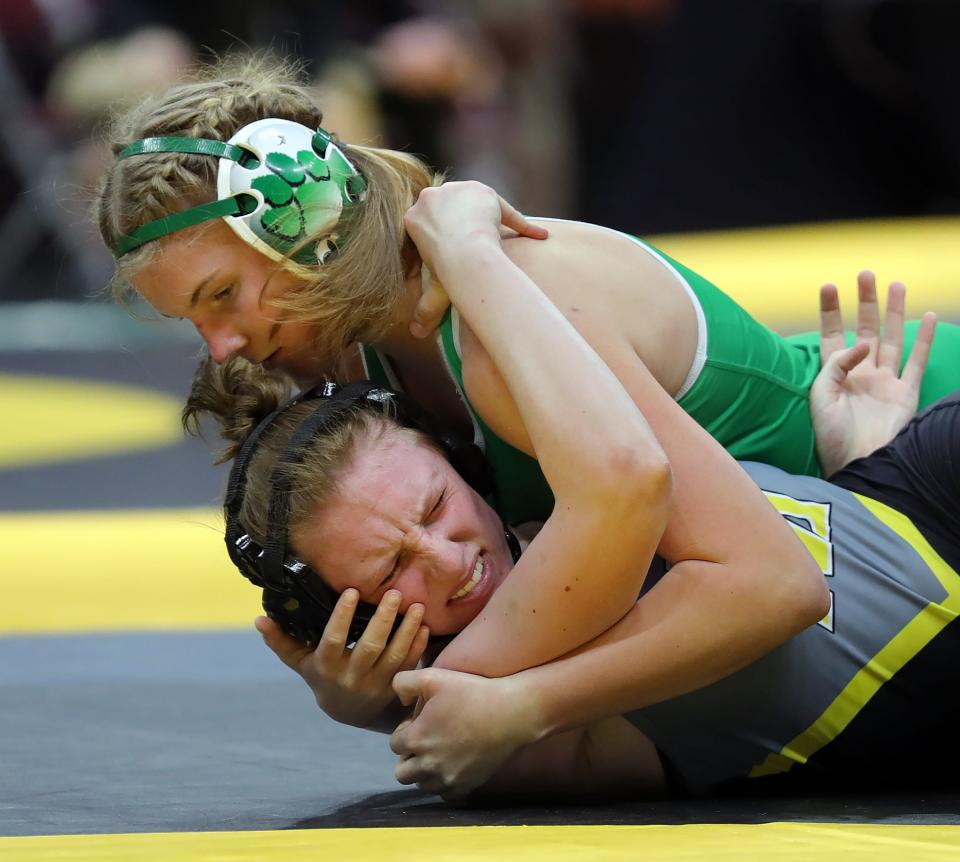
x=647 y=115
x=751 y=112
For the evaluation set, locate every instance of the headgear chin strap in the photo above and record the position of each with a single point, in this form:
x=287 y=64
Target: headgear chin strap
x=279 y=184
x=294 y=595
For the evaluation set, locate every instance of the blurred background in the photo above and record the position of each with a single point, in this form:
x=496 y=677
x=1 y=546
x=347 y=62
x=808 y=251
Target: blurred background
x=770 y=144
x=651 y=116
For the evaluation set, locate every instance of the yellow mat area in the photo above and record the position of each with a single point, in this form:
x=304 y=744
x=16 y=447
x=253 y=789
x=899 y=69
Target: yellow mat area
x=746 y=843
x=775 y=273
x=52 y=419
x=107 y=571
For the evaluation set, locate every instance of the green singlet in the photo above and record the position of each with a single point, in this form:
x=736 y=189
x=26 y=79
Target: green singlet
x=750 y=393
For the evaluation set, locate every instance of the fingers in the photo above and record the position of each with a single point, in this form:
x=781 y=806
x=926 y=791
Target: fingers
x=370 y=647
x=413 y=770
x=408 y=643
x=431 y=307
x=511 y=218
x=289 y=650
x=409 y=771
x=917 y=361
x=890 y=350
x=841 y=363
x=868 y=310
x=419 y=646
x=831 y=323
x=333 y=642
x=398 y=739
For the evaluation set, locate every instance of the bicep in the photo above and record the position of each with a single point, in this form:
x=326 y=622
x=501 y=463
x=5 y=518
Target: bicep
x=718 y=513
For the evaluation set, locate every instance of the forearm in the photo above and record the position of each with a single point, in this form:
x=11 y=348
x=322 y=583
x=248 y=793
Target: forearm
x=608 y=472
x=699 y=624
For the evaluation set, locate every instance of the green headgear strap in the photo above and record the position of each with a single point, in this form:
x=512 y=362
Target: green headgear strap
x=238 y=205
x=200 y=146
x=278 y=184
x=195 y=215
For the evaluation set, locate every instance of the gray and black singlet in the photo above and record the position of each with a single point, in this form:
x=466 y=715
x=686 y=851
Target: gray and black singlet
x=867 y=695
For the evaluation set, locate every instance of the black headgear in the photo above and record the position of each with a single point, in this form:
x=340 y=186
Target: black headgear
x=295 y=596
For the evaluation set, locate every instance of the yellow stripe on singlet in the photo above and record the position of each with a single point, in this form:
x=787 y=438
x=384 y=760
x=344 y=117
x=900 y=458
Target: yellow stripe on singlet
x=826 y=842
x=909 y=641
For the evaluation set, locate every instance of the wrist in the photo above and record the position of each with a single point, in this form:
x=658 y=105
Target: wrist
x=465 y=252
x=531 y=705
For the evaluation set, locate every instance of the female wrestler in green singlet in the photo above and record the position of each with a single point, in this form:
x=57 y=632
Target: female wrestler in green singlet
x=294 y=257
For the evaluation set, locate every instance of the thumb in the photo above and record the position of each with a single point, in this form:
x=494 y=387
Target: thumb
x=431 y=307
x=841 y=363
x=410 y=685
x=289 y=650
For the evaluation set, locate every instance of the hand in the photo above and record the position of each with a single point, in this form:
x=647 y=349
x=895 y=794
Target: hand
x=860 y=399
x=353 y=686
x=441 y=221
x=466 y=728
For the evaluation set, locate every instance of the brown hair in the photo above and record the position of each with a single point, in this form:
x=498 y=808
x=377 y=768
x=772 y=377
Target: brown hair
x=239 y=395
x=353 y=296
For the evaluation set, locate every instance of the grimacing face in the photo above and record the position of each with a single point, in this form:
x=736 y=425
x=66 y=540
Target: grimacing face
x=404 y=519
x=224 y=287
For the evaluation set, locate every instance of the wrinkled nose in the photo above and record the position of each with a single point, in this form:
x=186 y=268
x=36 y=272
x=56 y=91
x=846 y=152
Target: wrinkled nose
x=439 y=556
x=223 y=341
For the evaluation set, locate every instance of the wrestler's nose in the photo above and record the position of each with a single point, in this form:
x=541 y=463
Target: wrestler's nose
x=223 y=341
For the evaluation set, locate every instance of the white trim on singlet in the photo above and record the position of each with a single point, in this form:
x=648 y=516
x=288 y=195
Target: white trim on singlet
x=700 y=354
x=478 y=437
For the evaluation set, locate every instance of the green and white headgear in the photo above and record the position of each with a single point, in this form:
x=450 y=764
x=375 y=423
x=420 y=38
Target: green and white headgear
x=279 y=183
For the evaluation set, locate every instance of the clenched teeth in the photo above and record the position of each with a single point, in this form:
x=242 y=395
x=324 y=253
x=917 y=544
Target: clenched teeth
x=474 y=580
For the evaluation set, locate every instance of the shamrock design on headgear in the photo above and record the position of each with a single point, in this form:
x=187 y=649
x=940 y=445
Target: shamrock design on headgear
x=278 y=184
x=304 y=195
x=304 y=181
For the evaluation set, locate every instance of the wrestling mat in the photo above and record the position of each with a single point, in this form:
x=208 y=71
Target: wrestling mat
x=143 y=719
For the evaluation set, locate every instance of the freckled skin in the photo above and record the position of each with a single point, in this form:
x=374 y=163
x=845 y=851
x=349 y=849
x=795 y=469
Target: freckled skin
x=384 y=513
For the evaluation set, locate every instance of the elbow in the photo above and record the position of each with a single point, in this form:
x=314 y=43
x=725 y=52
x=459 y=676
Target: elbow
x=642 y=480
x=815 y=599
x=806 y=599
x=647 y=488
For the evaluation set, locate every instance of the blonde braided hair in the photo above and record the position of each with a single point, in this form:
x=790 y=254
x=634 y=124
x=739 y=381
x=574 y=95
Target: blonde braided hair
x=355 y=295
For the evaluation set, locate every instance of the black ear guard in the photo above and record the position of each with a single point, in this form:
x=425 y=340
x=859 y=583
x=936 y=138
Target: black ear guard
x=294 y=595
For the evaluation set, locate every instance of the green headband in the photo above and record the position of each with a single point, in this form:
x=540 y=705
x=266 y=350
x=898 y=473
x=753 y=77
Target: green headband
x=279 y=183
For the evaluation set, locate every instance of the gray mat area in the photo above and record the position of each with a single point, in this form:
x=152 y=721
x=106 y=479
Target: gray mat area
x=178 y=732
x=197 y=732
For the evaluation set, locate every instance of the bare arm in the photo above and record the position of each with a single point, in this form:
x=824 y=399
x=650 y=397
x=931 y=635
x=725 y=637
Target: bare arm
x=609 y=475
x=756 y=586
x=604 y=758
